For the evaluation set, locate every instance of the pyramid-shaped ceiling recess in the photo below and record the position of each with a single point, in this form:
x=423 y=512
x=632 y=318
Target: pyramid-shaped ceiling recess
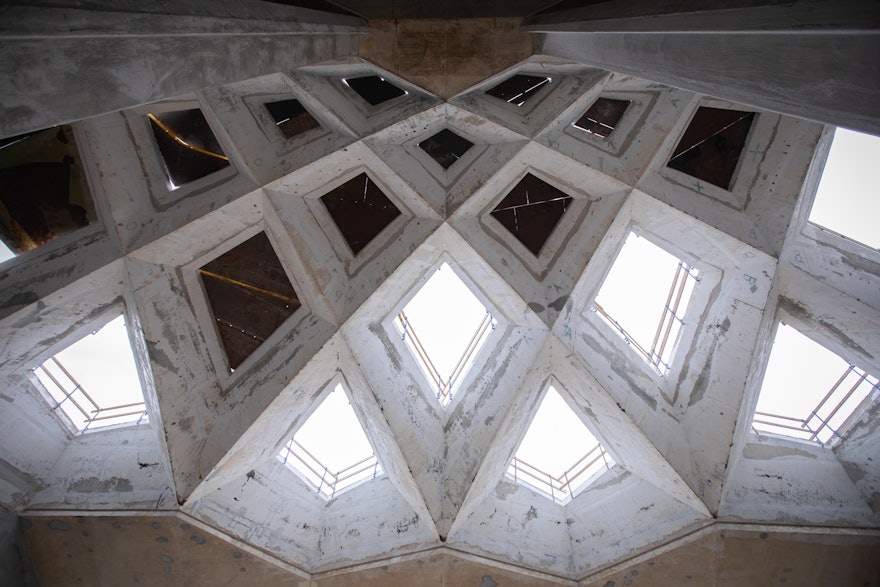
x=188 y=146
x=250 y=296
x=291 y=117
x=445 y=147
x=360 y=210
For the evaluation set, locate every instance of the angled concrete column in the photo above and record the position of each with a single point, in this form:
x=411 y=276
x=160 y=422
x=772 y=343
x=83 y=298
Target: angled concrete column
x=59 y=65
x=816 y=60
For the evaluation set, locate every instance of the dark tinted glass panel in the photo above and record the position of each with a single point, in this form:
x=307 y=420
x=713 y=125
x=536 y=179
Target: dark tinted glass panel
x=189 y=148
x=250 y=296
x=602 y=116
x=374 y=89
x=43 y=190
x=531 y=211
x=519 y=88
x=446 y=147
x=291 y=117
x=712 y=145
x=360 y=210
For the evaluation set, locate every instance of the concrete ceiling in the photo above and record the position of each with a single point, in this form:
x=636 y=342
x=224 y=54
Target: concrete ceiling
x=692 y=478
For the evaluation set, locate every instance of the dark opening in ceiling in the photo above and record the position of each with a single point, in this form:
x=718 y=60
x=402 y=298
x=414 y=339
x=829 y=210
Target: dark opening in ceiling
x=189 y=148
x=603 y=116
x=446 y=147
x=291 y=117
x=374 y=89
x=360 y=210
x=531 y=211
x=518 y=89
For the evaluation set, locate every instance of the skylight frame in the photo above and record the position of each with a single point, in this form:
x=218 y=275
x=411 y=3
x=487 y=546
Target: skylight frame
x=470 y=373
x=285 y=453
x=599 y=464
x=137 y=413
x=821 y=431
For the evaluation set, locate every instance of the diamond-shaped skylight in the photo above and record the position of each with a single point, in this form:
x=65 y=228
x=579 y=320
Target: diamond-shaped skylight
x=330 y=450
x=531 y=211
x=846 y=201
x=444 y=326
x=360 y=210
x=250 y=296
x=602 y=116
x=374 y=89
x=188 y=146
x=808 y=391
x=645 y=297
x=446 y=147
x=518 y=89
x=94 y=381
x=291 y=117
x=558 y=456
x=711 y=146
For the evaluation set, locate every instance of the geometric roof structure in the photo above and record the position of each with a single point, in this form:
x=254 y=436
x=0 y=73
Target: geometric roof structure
x=691 y=480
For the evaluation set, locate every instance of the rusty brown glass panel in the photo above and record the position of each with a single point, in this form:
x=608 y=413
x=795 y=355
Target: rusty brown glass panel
x=291 y=117
x=445 y=147
x=360 y=210
x=249 y=295
x=603 y=116
x=531 y=211
x=188 y=147
x=43 y=190
x=711 y=146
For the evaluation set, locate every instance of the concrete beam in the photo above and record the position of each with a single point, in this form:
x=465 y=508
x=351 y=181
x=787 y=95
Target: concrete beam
x=828 y=74
x=61 y=65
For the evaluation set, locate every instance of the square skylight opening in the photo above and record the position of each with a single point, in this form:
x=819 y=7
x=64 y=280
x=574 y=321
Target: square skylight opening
x=846 y=201
x=645 y=297
x=531 y=211
x=602 y=117
x=808 y=391
x=188 y=147
x=444 y=326
x=360 y=209
x=330 y=451
x=291 y=117
x=558 y=457
x=374 y=89
x=711 y=147
x=519 y=89
x=446 y=147
x=250 y=296
x=43 y=190
x=94 y=382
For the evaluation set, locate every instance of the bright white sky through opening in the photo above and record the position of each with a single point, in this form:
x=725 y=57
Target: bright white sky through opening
x=848 y=199
x=334 y=436
x=5 y=252
x=445 y=315
x=799 y=373
x=636 y=289
x=103 y=364
x=557 y=439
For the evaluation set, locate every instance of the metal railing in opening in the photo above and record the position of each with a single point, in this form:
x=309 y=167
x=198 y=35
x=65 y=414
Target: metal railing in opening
x=671 y=320
x=443 y=386
x=560 y=488
x=850 y=389
x=83 y=410
x=324 y=480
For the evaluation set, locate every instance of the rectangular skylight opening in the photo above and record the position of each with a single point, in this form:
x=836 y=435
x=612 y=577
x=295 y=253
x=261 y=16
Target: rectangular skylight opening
x=558 y=457
x=809 y=392
x=645 y=298
x=846 y=200
x=330 y=451
x=444 y=326
x=94 y=382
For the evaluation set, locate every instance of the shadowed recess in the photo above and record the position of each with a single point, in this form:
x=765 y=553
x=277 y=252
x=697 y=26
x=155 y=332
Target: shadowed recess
x=603 y=116
x=712 y=144
x=531 y=211
x=43 y=194
x=250 y=296
x=518 y=89
x=188 y=147
x=291 y=117
x=445 y=147
x=360 y=210
x=374 y=89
